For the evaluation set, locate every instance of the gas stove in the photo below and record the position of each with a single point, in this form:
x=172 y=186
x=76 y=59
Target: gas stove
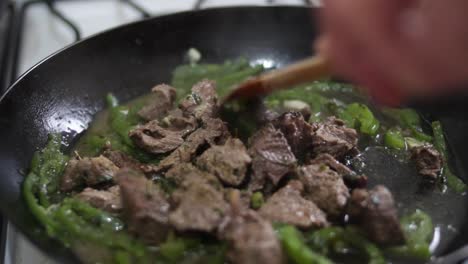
x=32 y=30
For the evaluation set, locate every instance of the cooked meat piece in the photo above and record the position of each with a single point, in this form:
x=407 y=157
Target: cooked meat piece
x=108 y=200
x=288 y=206
x=328 y=160
x=178 y=121
x=154 y=138
x=213 y=132
x=166 y=135
x=162 y=136
x=122 y=160
x=428 y=161
x=203 y=101
x=228 y=162
x=375 y=212
x=325 y=188
x=271 y=156
x=251 y=239
x=216 y=129
x=162 y=100
x=198 y=200
x=88 y=172
x=297 y=132
x=145 y=206
x=198 y=207
x=185 y=174
x=350 y=177
x=334 y=138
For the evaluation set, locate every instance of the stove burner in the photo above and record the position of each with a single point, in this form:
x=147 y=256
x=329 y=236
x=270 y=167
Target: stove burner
x=9 y=49
x=59 y=15
x=144 y=13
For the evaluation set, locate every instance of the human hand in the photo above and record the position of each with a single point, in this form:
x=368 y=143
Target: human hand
x=397 y=49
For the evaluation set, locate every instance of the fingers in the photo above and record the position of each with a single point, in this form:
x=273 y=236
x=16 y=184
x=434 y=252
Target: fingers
x=361 y=39
x=397 y=48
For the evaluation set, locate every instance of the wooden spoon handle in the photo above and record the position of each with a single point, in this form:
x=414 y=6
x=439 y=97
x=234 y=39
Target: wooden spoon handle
x=307 y=70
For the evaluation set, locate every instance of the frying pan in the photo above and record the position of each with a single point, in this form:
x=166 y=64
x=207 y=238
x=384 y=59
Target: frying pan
x=63 y=92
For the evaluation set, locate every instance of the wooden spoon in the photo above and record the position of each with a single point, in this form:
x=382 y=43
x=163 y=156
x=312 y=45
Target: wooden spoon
x=310 y=69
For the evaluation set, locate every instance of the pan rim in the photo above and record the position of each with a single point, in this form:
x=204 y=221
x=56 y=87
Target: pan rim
x=133 y=23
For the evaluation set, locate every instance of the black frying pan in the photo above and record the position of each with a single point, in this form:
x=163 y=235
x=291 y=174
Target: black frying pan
x=63 y=92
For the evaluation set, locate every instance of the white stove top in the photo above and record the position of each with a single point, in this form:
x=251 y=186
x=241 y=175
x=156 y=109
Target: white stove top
x=43 y=34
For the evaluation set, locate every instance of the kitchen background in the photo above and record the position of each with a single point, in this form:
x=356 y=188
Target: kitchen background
x=32 y=30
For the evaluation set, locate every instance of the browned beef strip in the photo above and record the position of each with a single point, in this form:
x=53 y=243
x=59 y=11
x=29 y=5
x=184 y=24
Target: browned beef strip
x=334 y=138
x=162 y=100
x=288 y=206
x=428 y=161
x=88 y=172
x=213 y=132
x=325 y=188
x=185 y=174
x=203 y=101
x=145 y=206
x=228 y=162
x=251 y=239
x=165 y=135
x=296 y=130
x=199 y=206
x=122 y=160
x=180 y=122
x=154 y=138
x=107 y=200
x=350 y=177
x=375 y=212
x=271 y=156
